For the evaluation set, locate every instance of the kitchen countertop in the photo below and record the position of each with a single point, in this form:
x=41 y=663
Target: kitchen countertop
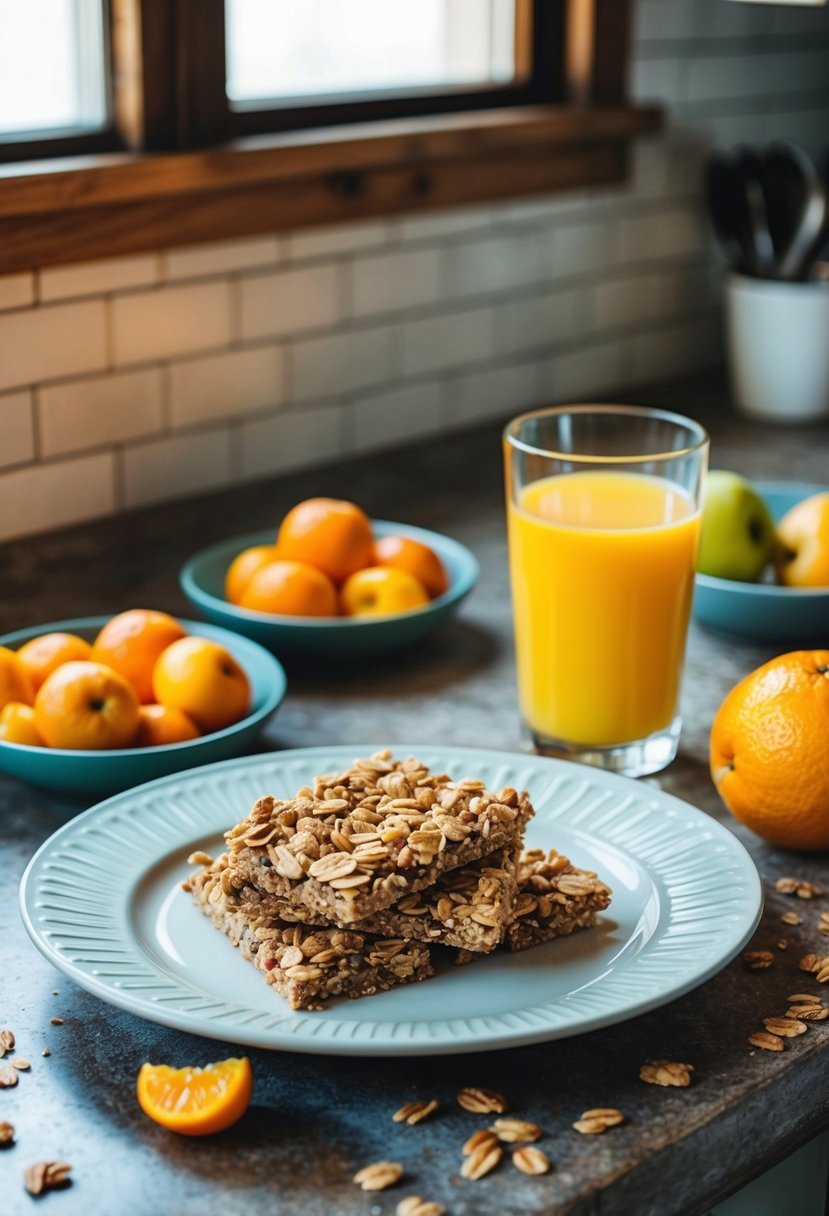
x=313 y=1120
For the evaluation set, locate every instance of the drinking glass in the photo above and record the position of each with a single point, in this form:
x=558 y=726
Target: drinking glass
x=603 y=511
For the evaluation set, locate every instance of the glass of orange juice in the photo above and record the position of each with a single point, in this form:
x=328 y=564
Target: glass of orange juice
x=603 y=507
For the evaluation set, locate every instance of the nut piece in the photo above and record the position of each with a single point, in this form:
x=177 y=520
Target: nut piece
x=797 y=886
x=787 y=1028
x=531 y=1160
x=758 y=960
x=483 y=1101
x=46 y=1176
x=514 y=1131
x=415 y=1112
x=8 y=1076
x=477 y=1139
x=808 y=1013
x=6 y=1134
x=20 y=1063
x=481 y=1161
x=6 y=1042
x=791 y=918
x=666 y=1072
x=379 y=1176
x=768 y=1042
x=594 y=1122
x=413 y=1205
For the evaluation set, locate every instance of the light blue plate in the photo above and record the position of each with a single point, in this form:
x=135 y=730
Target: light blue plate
x=765 y=612
x=686 y=899
x=202 y=581
x=104 y=772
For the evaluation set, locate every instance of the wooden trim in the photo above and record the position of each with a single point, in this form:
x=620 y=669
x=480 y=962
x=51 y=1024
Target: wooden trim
x=145 y=56
x=612 y=29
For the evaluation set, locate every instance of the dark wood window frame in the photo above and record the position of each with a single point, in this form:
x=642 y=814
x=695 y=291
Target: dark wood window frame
x=108 y=204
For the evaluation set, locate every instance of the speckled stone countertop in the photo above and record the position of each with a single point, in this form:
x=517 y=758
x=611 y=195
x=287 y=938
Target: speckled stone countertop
x=313 y=1120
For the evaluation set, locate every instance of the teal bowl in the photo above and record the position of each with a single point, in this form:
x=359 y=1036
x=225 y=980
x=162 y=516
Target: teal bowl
x=202 y=581
x=109 y=772
x=765 y=612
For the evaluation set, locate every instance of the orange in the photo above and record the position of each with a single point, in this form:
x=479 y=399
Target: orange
x=204 y=681
x=291 y=588
x=159 y=725
x=382 y=591
x=196 y=1101
x=333 y=535
x=15 y=681
x=403 y=553
x=769 y=750
x=43 y=655
x=243 y=567
x=803 y=551
x=86 y=705
x=132 y=641
x=17 y=724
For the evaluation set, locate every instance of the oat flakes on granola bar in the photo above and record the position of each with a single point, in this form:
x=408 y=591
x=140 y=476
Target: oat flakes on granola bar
x=363 y=839
x=554 y=898
x=306 y=965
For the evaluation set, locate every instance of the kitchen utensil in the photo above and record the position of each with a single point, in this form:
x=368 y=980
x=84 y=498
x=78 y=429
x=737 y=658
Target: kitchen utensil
x=729 y=212
x=751 y=170
x=799 y=205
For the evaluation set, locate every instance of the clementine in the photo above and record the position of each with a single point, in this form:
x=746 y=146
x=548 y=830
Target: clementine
x=769 y=750
x=204 y=681
x=803 y=550
x=42 y=655
x=243 y=567
x=196 y=1101
x=333 y=535
x=17 y=724
x=292 y=589
x=159 y=725
x=86 y=705
x=131 y=642
x=403 y=553
x=15 y=681
x=382 y=591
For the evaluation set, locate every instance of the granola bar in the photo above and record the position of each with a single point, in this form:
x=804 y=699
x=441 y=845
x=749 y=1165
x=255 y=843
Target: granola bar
x=305 y=965
x=554 y=898
x=363 y=839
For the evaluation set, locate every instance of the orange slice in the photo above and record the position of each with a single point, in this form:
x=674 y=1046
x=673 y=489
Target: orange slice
x=196 y=1101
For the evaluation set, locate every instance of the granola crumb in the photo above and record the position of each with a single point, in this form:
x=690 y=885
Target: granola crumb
x=783 y=944
x=791 y=918
x=46 y=1176
x=785 y=1028
x=415 y=1112
x=531 y=1160
x=594 y=1122
x=800 y=887
x=666 y=1072
x=56 y=1021
x=483 y=1101
x=481 y=1161
x=758 y=960
x=766 y=1041
x=6 y=1042
x=379 y=1176
x=8 y=1076
x=20 y=1063
x=46 y=1052
x=6 y=1134
x=516 y=1131
x=413 y=1205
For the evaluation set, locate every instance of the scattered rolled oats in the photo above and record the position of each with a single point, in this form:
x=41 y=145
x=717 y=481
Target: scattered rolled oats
x=808 y=1013
x=413 y=1205
x=483 y=1101
x=477 y=1139
x=8 y=1076
x=6 y=1134
x=516 y=1131
x=481 y=1161
x=594 y=1122
x=666 y=1072
x=6 y=1041
x=758 y=960
x=415 y=1112
x=823 y=974
x=786 y=1028
x=199 y=858
x=768 y=1042
x=20 y=1063
x=791 y=918
x=56 y=1021
x=531 y=1160
x=809 y=962
x=783 y=944
x=807 y=998
x=823 y=923
x=797 y=886
x=46 y=1176
x=378 y=1176
x=46 y=1052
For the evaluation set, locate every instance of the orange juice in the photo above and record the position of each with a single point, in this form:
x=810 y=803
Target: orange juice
x=602 y=571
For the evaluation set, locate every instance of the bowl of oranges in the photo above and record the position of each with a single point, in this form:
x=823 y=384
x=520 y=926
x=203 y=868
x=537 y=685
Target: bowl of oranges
x=100 y=704
x=331 y=581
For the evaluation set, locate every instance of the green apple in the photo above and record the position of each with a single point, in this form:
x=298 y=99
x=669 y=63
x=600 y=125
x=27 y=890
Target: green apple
x=738 y=536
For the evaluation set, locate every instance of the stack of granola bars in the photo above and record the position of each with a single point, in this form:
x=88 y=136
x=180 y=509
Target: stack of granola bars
x=347 y=888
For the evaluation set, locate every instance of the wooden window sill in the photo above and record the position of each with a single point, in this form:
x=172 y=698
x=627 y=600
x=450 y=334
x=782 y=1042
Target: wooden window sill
x=89 y=207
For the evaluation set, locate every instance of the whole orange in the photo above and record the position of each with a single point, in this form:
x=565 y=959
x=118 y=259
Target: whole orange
x=333 y=535
x=131 y=642
x=86 y=705
x=159 y=725
x=15 y=681
x=403 y=553
x=290 y=588
x=204 y=681
x=43 y=655
x=243 y=567
x=803 y=535
x=382 y=591
x=769 y=750
x=17 y=724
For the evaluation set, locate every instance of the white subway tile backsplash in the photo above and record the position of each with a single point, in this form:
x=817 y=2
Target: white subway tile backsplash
x=658 y=20
x=39 y=497
x=578 y=249
x=401 y=278
x=338 y=364
x=46 y=343
x=170 y=321
x=436 y=343
x=290 y=301
x=435 y=225
x=396 y=415
x=739 y=76
x=492 y=266
x=16 y=290
x=628 y=301
x=176 y=466
x=16 y=429
x=495 y=393
x=293 y=440
x=675 y=233
x=582 y=373
x=659 y=79
x=200 y=261
x=92 y=412
x=93 y=278
x=541 y=321
x=328 y=242
x=226 y=385
x=674 y=349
